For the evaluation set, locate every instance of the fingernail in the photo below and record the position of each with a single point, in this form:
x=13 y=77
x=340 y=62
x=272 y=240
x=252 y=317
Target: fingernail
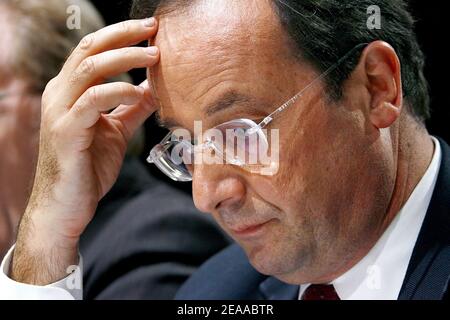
x=149 y=22
x=153 y=51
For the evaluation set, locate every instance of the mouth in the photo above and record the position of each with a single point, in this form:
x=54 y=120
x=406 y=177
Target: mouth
x=250 y=231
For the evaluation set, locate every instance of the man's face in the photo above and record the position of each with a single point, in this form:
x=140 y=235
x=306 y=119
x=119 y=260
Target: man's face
x=19 y=136
x=317 y=213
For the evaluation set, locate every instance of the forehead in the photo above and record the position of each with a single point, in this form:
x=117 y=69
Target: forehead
x=213 y=47
x=213 y=22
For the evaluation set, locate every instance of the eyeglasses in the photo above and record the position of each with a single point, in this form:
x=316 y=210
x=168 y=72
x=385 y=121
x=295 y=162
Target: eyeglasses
x=240 y=142
x=4 y=96
x=8 y=94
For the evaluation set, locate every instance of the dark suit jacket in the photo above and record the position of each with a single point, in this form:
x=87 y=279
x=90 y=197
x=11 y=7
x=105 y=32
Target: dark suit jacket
x=145 y=240
x=229 y=275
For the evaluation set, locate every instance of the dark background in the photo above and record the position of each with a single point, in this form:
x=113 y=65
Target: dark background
x=432 y=32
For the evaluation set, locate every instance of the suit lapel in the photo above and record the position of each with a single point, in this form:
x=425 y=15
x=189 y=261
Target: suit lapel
x=274 y=289
x=428 y=272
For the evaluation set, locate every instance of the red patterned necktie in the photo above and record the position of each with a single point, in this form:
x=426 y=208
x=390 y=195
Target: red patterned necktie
x=320 y=292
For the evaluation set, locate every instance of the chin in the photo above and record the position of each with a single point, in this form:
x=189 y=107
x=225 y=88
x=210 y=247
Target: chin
x=268 y=259
x=281 y=269
x=278 y=258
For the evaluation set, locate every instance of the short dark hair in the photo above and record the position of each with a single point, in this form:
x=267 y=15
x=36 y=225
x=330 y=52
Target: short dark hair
x=325 y=30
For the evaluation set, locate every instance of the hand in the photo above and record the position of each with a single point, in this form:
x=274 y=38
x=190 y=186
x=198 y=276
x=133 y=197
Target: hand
x=82 y=146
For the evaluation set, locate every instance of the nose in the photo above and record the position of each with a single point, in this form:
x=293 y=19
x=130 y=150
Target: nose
x=215 y=187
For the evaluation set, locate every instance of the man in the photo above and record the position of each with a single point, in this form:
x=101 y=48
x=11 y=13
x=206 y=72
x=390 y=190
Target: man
x=359 y=205
x=169 y=237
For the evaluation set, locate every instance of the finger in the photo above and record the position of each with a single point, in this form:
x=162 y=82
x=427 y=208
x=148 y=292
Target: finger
x=119 y=35
x=106 y=65
x=102 y=98
x=133 y=117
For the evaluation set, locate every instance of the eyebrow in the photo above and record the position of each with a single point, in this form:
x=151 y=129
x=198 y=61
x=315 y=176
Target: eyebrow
x=168 y=123
x=227 y=100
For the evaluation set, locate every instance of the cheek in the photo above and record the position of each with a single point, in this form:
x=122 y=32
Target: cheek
x=303 y=152
x=315 y=159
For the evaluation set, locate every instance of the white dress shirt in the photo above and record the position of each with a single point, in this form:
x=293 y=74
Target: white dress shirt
x=379 y=275
x=69 y=288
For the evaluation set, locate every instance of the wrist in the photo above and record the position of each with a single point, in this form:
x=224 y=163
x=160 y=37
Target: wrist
x=42 y=255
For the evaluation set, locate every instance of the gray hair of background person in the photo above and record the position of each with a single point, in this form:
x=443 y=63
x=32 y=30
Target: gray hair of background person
x=43 y=41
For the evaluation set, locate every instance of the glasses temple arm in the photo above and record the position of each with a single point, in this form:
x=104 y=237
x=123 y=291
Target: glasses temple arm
x=291 y=101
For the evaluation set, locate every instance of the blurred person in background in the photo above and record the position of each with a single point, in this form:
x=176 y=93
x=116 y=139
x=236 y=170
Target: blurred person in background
x=147 y=237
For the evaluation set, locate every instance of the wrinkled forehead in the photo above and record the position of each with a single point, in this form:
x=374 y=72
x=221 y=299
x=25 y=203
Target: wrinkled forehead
x=214 y=24
x=210 y=47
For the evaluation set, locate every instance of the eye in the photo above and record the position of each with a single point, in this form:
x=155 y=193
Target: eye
x=181 y=154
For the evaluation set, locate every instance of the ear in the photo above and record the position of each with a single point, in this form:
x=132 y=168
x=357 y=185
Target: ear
x=384 y=83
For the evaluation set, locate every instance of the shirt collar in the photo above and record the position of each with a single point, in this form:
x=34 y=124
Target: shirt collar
x=380 y=274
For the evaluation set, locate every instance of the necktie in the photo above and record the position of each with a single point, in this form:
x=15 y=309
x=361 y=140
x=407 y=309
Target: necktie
x=320 y=292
